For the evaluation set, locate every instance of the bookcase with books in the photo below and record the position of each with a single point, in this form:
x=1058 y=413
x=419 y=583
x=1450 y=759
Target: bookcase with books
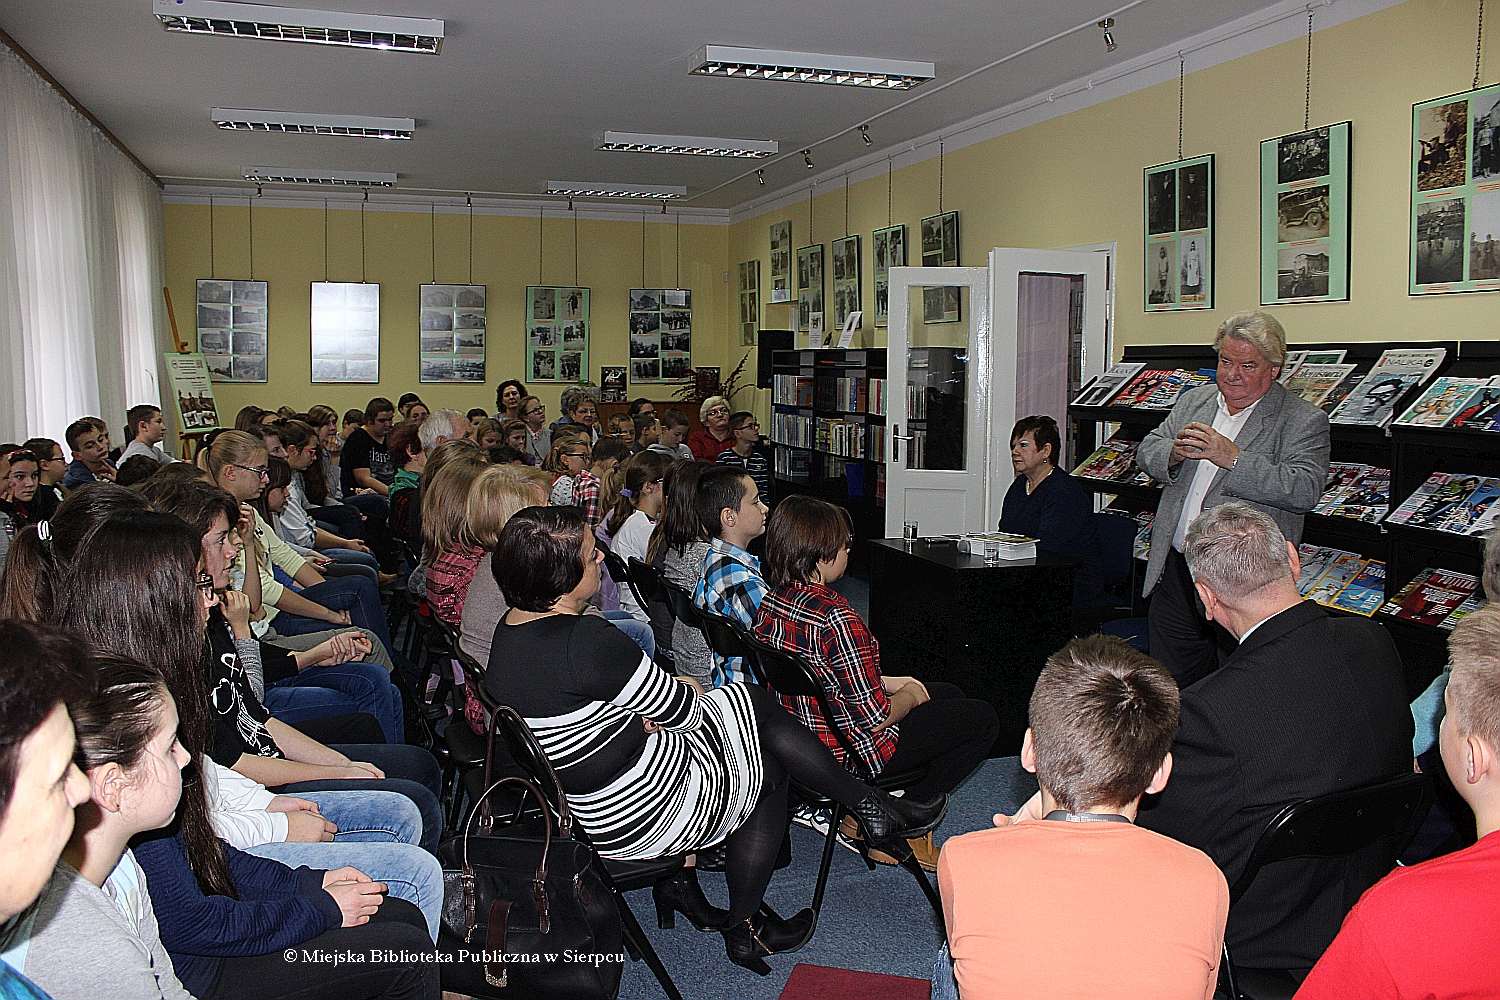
x=828 y=432
x=1414 y=477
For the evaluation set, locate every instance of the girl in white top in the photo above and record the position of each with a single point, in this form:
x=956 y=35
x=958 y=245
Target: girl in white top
x=633 y=518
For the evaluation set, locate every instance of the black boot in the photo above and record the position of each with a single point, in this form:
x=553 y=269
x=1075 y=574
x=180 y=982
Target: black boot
x=682 y=894
x=890 y=822
x=783 y=936
x=744 y=948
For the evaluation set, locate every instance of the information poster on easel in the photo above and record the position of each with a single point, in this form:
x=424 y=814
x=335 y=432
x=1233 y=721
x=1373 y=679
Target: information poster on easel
x=192 y=393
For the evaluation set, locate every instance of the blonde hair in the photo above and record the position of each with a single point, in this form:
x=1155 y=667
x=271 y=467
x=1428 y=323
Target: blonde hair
x=537 y=477
x=561 y=441
x=709 y=404
x=232 y=448
x=1474 y=687
x=445 y=508
x=494 y=498
x=451 y=450
x=1260 y=330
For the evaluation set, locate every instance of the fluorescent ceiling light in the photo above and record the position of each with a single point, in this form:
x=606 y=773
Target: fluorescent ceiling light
x=289 y=24
x=304 y=175
x=244 y=120
x=604 y=189
x=692 y=145
x=813 y=67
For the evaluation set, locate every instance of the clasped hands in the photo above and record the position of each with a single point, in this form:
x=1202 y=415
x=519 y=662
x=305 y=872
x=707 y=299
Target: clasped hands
x=1199 y=440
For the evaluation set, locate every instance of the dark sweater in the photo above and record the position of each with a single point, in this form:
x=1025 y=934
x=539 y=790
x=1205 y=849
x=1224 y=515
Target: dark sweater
x=1060 y=516
x=278 y=908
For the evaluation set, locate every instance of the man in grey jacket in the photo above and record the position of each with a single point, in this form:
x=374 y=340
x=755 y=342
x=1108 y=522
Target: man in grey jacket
x=1243 y=438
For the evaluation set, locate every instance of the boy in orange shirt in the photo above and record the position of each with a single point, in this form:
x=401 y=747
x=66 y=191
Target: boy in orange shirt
x=1069 y=897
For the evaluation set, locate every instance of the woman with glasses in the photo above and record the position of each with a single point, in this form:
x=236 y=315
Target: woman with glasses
x=892 y=722
x=579 y=408
x=714 y=436
x=538 y=434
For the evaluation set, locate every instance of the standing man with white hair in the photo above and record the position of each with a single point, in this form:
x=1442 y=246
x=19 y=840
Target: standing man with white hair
x=1243 y=438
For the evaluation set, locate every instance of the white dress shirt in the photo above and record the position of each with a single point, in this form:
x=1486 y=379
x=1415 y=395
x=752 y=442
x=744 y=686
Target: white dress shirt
x=1203 y=475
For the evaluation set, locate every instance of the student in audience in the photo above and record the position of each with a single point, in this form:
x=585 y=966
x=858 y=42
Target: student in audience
x=409 y=402
x=52 y=467
x=622 y=428
x=647 y=430
x=147 y=429
x=90 y=447
x=487 y=434
x=20 y=481
x=733 y=515
x=568 y=458
x=579 y=407
x=674 y=431
x=1107 y=908
x=449 y=550
x=1433 y=930
x=248 y=417
x=475 y=415
x=630 y=524
x=651 y=767
x=1307 y=704
x=405 y=446
x=714 y=436
x=744 y=431
x=452 y=450
x=309 y=491
x=538 y=434
x=331 y=555
x=588 y=485
x=41 y=670
x=894 y=723
x=505 y=455
x=324 y=420
x=135 y=470
x=509 y=395
x=366 y=464
x=513 y=435
x=1047 y=504
x=352 y=421
x=678 y=548
x=640 y=405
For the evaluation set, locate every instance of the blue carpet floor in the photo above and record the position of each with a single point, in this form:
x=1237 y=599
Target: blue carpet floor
x=871 y=921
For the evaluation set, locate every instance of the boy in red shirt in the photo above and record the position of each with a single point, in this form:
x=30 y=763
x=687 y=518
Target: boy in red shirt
x=1433 y=930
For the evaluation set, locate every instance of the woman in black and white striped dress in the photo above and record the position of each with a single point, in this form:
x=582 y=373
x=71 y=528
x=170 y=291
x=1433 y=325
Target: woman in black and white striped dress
x=652 y=767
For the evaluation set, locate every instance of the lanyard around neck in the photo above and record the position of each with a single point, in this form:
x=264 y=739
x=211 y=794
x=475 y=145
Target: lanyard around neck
x=1063 y=816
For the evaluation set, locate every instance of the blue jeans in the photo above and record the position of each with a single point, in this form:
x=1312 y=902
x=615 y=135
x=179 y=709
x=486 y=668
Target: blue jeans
x=410 y=770
x=365 y=686
x=370 y=817
x=351 y=562
x=639 y=631
x=355 y=594
x=944 y=985
x=410 y=873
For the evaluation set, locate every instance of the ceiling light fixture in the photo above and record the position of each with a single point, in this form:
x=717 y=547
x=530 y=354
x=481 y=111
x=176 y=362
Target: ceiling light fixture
x=760 y=175
x=244 y=120
x=812 y=67
x=689 y=145
x=864 y=133
x=289 y=24
x=807 y=158
x=1109 y=38
x=303 y=175
x=604 y=189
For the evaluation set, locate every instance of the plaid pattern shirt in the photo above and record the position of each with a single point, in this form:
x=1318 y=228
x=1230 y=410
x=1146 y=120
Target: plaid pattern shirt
x=818 y=624
x=731 y=585
x=586 y=489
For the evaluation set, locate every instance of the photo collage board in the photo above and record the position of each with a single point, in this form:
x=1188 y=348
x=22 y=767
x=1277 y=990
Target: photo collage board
x=661 y=334
x=557 y=333
x=453 y=333
x=1455 y=193
x=846 y=284
x=232 y=329
x=940 y=304
x=781 y=261
x=345 y=331
x=749 y=302
x=810 y=293
x=1179 y=239
x=889 y=250
x=1304 y=216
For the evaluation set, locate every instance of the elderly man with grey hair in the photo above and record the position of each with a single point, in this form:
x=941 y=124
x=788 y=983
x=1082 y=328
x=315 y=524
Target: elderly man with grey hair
x=1243 y=438
x=441 y=425
x=1306 y=704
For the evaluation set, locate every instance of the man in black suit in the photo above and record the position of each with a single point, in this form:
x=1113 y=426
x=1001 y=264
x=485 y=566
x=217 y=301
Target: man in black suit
x=1307 y=704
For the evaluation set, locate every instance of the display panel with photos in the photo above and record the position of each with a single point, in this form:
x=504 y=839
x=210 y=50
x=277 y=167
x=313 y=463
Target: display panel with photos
x=231 y=318
x=888 y=247
x=846 y=284
x=192 y=393
x=345 y=327
x=781 y=261
x=661 y=334
x=557 y=333
x=810 y=294
x=1304 y=216
x=1455 y=193
x=452 y=333
x=940 y=304
x=749 y=302
x=1179 y=240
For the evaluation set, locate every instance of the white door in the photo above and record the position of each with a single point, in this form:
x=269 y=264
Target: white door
x=938 y=380
x=1049 y=337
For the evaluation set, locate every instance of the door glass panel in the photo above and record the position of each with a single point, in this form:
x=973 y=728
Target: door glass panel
x=937 y=379
x=1049 y=344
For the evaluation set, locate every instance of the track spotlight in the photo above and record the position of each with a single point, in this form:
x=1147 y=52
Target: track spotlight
x=1109 y=38
x=807 y=158
x=760 y=175
x=864 y=133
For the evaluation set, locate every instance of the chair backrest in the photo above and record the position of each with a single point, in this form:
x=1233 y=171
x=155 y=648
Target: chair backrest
x=619 y=572
x=791 y=675
x=646 y=579
x=1116 y=545
x=725 y=637
x=1340 y=824
x=527 y=753
x=680 y=603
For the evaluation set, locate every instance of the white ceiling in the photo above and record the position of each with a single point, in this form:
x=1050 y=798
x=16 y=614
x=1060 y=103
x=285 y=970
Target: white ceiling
x=522 y=91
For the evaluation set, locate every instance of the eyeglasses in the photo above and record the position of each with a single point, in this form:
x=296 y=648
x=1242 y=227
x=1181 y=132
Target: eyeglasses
x=534 y=409
x=262 y=471
x=575 y=454
x=718 y=411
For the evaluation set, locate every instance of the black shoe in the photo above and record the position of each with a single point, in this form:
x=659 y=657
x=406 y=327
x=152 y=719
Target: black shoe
x=889 y=822
x=745 y=949
x=783 y=936
x=682 y=894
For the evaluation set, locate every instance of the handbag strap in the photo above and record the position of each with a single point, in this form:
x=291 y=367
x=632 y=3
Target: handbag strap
x=539 y=877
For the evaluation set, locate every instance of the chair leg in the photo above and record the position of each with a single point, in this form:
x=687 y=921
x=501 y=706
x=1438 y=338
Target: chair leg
x=632 y=930
x=1227 y=977
x=835 y=817
x=911 y=864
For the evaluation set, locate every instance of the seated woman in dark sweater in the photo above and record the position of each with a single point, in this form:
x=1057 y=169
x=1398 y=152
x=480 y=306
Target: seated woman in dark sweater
x=1047 y=504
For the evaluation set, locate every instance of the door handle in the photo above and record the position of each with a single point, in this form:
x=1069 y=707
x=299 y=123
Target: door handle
x=897 y=435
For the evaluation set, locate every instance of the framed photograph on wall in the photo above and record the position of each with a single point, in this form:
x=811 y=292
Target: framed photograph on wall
x=661 y=334
x=781 y=261
x=1455 y=194
x=232 y=329
x=557 y=333
x=889 y=247
x=846 y=284
x=749 y=302
x=345 y=329
x=940 y=249
x=1179 y=239
x=1304 y=216
x=452 y=333
x=810 y=294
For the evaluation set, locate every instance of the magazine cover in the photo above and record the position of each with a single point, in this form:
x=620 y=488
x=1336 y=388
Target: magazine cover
x=1101 y=389
x=1475 y=514
x=1314 y=382
x=1114 y=461
x=1296 y=358
x=1432 y=596
x=1372 y=402
x=1141 y=386
x=1364 y=594
x=1345 y=568
x=1419 y=498
x=1340 y=392
x=1316 y=561
x=1471 y=604
x=1178 y=382
x=1368 y=498
x=1141 y=549
x=1340 y=475
x=1443 y=502
x=1443 y=400
x=1482 y=412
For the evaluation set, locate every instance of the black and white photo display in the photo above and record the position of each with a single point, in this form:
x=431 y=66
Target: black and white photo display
x=345 y=329
x=1455 y=194
x=231 y=318
x=889 y=250
x=846 y=284
x=940 y=249
x=661 y=334
x=1179 y=240
x=557 y=333
x=452 y=333
x=810 y=294
x=1304 y=213
x=749 y=302
x=781 y=261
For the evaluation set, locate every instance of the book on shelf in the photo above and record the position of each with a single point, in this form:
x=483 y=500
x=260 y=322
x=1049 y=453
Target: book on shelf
x=1432 y=596
x=792 y=390
x=1482 y=412
x=1114 y=462
x=1296 y=359
x=877 y=397
x=1365 y=593
x=793 y=464
x=1104 y=387
x=916 y=401
x=1457 y=503
x=792 y=429
x=1372 y=402
x=1441 y=402
x=1356 y=490
x=1314 y=382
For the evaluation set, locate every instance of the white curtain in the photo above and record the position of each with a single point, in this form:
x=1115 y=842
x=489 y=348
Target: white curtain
x=81 y=315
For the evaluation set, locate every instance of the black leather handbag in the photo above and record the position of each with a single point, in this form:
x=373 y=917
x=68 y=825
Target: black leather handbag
x=525 y=913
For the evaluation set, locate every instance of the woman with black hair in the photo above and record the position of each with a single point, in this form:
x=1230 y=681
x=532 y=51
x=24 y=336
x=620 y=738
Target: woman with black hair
x=678 y=548
x=1047 y=504
x=508 y=396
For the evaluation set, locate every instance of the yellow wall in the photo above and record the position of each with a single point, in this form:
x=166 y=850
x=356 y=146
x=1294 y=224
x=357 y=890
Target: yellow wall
x=398 y=255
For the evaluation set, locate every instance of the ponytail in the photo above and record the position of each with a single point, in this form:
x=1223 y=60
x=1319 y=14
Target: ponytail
x=642 y=468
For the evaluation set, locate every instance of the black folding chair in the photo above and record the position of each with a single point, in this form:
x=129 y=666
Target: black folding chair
x=620 y=573
x=789 y=674
x=1329 y=826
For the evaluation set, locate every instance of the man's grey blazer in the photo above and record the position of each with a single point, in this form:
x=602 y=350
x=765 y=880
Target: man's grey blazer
x=1282 y=468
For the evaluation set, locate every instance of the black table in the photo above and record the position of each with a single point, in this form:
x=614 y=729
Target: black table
x=943 y=615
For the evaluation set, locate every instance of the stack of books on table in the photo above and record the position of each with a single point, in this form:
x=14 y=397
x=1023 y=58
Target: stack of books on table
x=1340 y=579
x=1435 y=597
x=1011 y=546
x=1454 y=502
x=1113 y=462
x=1356 y=490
